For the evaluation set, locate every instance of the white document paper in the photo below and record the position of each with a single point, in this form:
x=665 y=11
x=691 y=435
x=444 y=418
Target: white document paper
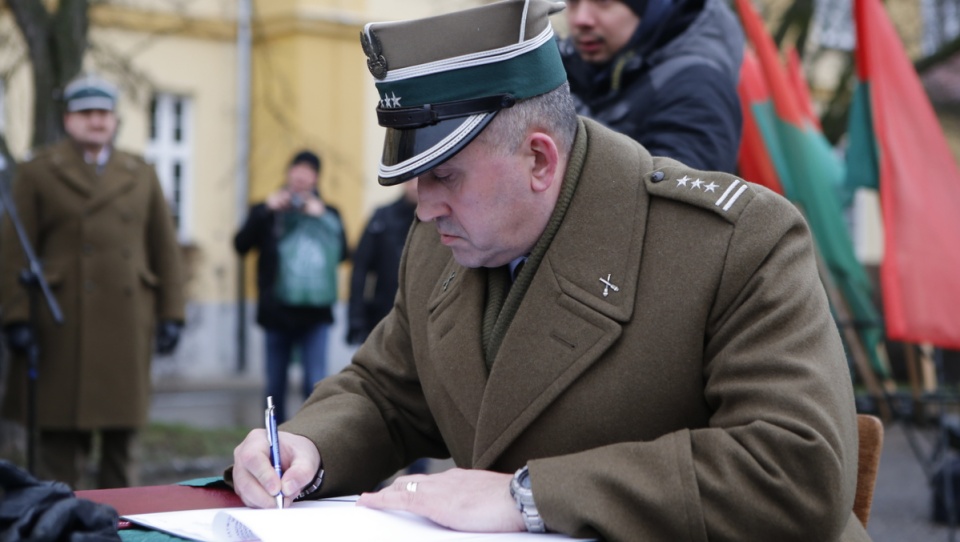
x=327 y=520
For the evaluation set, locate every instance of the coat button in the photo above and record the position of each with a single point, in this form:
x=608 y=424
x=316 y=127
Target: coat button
x=657 y=176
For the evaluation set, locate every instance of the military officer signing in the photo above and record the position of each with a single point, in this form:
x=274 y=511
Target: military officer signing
x=663 y=365
x=102 y=228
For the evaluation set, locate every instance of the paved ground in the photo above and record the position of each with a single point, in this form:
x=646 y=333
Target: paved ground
x=902 y=498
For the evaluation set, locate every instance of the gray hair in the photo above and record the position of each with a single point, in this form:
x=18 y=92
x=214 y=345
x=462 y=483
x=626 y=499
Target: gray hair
x=553 y=112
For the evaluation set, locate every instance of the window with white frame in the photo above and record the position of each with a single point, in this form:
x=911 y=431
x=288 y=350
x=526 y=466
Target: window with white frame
x=169 y=149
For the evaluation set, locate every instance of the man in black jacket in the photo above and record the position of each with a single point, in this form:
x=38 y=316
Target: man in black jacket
x=376 y=263
x=663 y=72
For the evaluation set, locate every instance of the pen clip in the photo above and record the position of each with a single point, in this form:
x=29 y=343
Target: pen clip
x=268 y=419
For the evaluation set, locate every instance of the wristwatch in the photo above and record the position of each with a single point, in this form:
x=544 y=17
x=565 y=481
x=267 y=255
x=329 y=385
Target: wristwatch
x=314 y=486
x=522 y=493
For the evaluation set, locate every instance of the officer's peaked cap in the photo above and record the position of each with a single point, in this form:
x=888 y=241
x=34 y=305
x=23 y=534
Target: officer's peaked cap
x=442 y=79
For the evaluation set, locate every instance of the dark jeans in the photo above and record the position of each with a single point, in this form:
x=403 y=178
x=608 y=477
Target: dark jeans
x=313 y=355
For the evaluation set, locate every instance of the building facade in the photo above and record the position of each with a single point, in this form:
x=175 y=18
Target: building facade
x=185 y=79
x=219 y=111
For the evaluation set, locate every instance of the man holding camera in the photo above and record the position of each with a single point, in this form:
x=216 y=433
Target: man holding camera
x=300 y=241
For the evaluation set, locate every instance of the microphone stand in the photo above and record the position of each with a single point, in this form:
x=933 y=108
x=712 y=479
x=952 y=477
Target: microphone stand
x=33 y=280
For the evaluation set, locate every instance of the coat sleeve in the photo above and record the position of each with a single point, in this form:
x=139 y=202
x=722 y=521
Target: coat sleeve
x=165 y=259
x=252 y=230
x=14 y=306
x=777 y=459
x=371 y=419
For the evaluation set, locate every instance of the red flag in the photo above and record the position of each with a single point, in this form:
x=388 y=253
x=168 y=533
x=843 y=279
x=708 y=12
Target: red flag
x=919 y=190
x=800 y=86
x=785 y=102
x=756 y=160
x=810 y=173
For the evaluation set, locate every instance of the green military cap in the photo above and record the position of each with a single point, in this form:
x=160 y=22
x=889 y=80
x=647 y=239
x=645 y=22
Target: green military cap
x=442 y=79
x=90 y=92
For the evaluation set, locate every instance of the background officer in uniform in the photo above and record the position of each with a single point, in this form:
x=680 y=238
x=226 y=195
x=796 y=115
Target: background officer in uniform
x=663 y=367
x=99 y=222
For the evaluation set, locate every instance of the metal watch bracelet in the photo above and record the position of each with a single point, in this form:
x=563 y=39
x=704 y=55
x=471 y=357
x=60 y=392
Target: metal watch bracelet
x=523 y=496
x=313 y=487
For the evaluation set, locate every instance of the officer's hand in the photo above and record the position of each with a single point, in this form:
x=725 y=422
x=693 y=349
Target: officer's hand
x=461 y=499
x=257 y=483
x=168 y=335
x=20 y=338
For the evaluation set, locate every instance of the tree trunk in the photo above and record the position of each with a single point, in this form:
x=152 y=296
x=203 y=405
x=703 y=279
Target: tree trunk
x=56 y=44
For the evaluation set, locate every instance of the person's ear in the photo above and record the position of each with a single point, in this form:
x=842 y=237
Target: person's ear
x=546 y=160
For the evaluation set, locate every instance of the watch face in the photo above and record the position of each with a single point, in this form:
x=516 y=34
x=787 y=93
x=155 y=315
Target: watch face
x=524 y=479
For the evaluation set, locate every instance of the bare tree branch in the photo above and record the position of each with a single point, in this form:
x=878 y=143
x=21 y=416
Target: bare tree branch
x=121 y=66
x=945 y=52
x=798 y=15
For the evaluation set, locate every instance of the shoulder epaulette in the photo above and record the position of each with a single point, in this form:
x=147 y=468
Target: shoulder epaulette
x=722 y=193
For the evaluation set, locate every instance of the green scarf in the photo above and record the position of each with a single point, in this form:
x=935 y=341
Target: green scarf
x=503 y=300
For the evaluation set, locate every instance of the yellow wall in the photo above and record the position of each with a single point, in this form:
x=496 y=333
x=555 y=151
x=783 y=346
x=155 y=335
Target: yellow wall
x=307 y=94
x=310 y=89
x=209 y=80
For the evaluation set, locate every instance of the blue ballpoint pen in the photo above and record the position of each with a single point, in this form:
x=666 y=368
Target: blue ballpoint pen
x=271 y=422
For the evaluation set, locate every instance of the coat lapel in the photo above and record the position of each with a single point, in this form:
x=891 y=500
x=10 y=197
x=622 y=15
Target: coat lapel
x=118 y=176
x=582 y=293
x=456 y=315
x=73 y=171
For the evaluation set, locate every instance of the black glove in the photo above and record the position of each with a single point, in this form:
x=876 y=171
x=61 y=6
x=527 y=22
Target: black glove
x=168 y=335
x=42 y=510
x=20 y=338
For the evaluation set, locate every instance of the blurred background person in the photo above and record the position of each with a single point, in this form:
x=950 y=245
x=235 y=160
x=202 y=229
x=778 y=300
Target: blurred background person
x=300 y=242
x=376 y=262
x=663 y=72
x=99 y=222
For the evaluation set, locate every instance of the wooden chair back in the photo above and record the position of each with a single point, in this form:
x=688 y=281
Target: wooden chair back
x=870 y=430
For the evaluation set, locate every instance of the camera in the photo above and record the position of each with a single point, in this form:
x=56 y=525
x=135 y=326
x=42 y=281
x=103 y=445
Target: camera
x=297 y=202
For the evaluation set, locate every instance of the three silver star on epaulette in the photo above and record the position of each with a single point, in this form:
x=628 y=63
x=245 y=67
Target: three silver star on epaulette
x=726 y=200
x=698 y=184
